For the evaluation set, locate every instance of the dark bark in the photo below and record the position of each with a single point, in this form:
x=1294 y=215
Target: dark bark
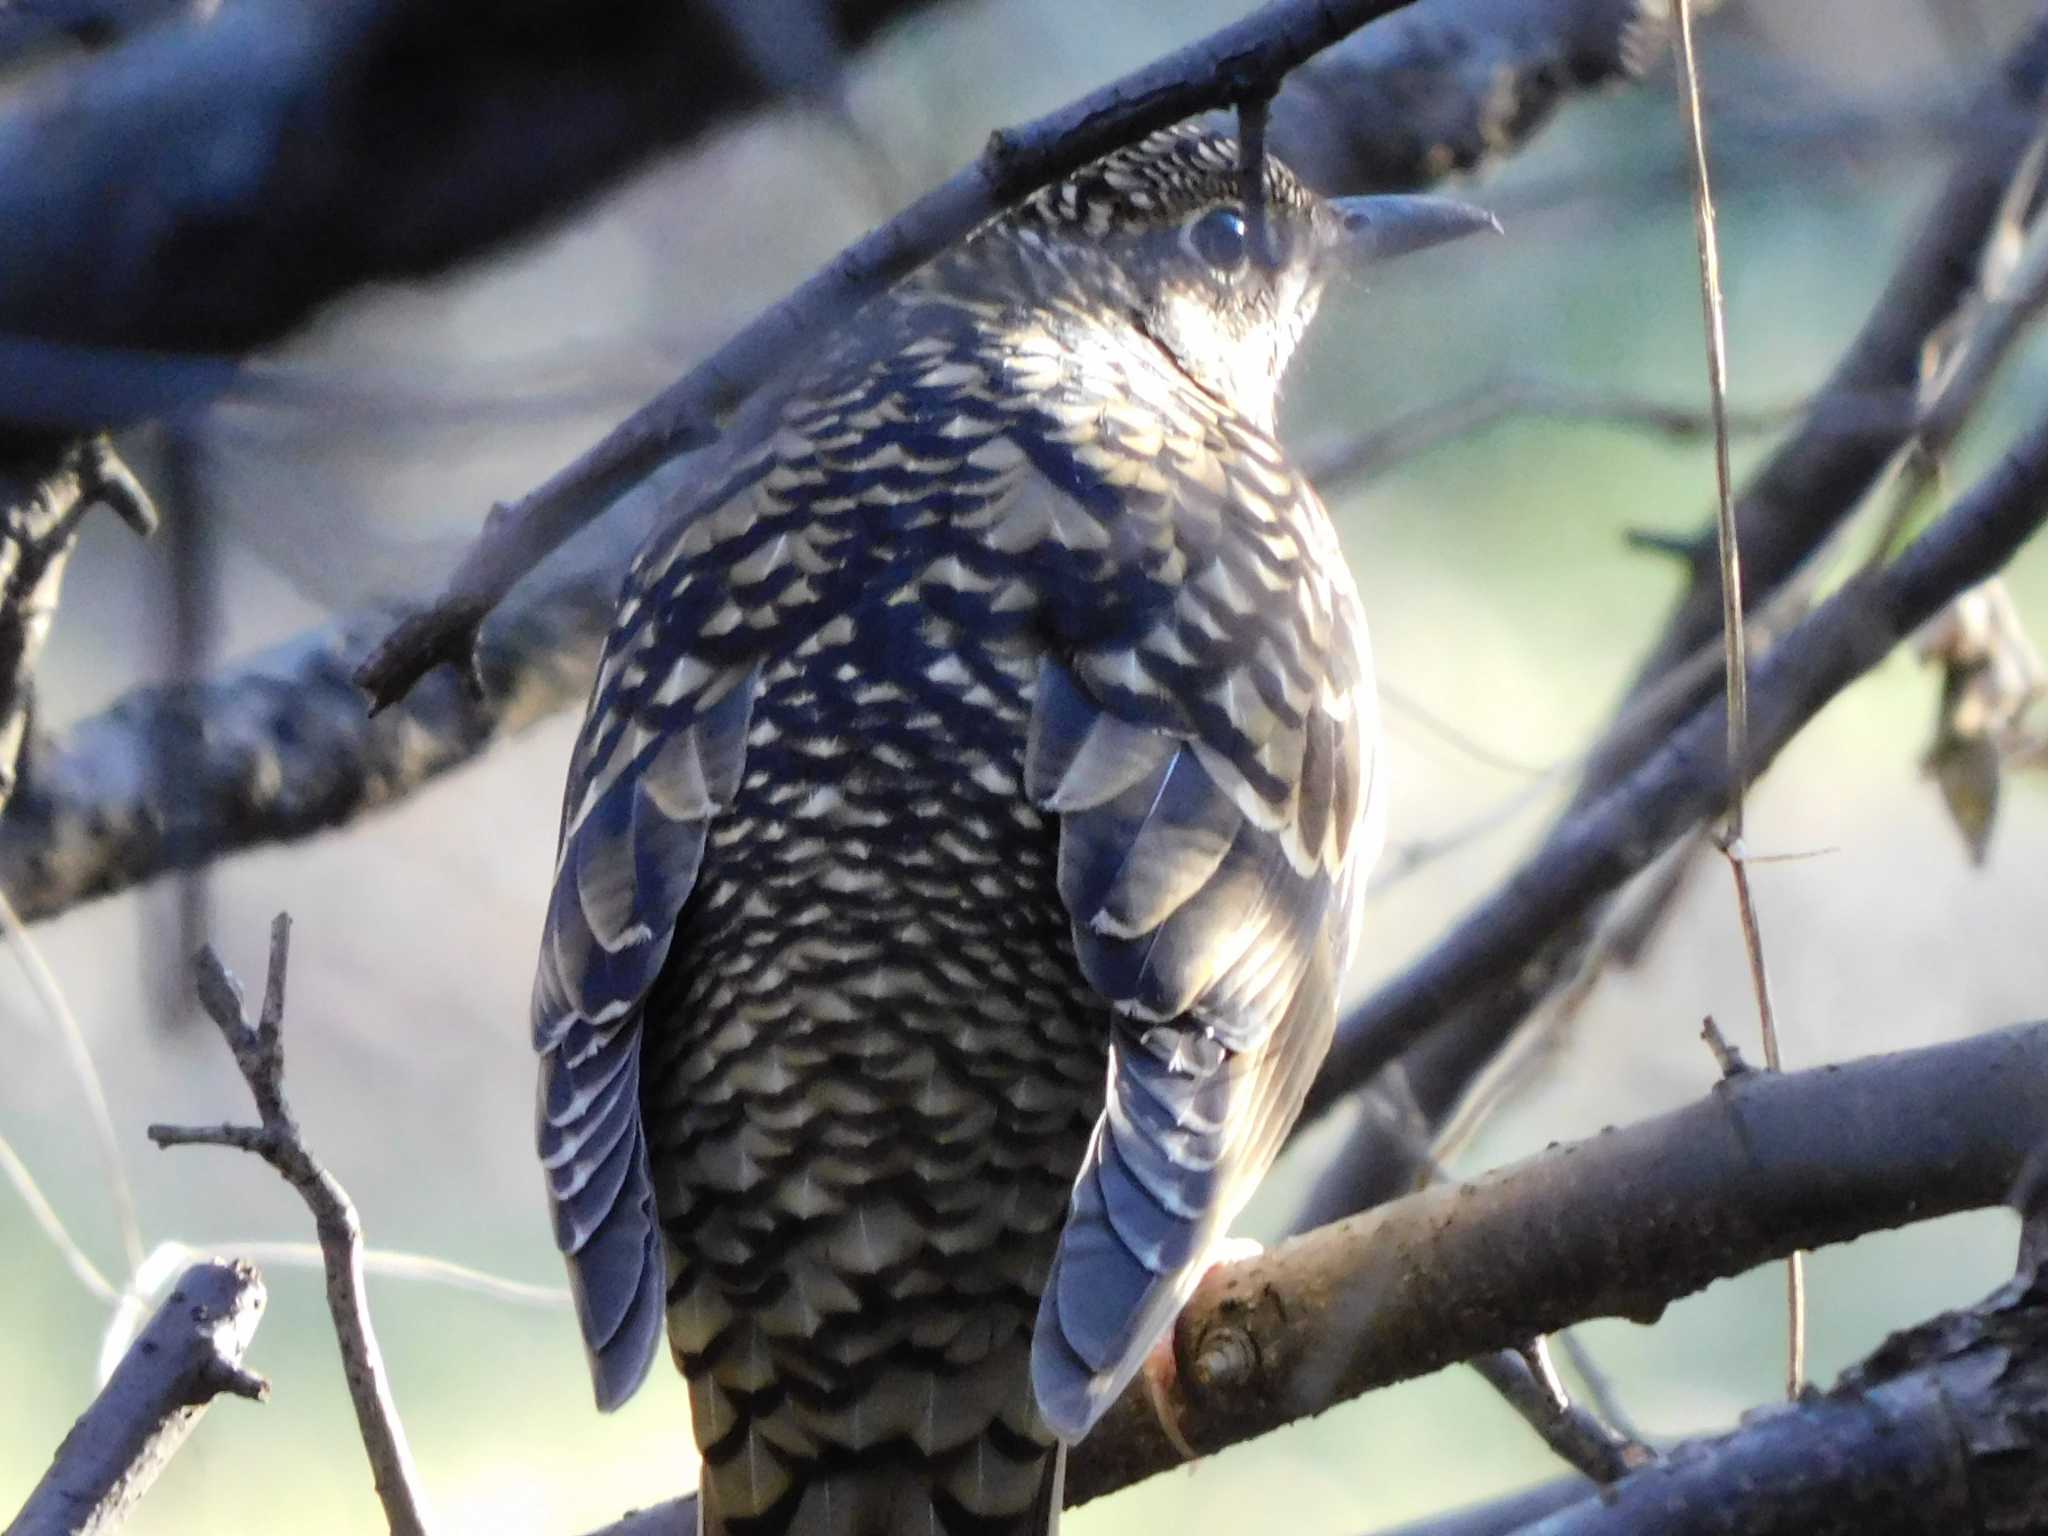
x=1944 y=1428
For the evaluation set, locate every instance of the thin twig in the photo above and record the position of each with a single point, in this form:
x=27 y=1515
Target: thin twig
x=1530 y=1384
x=1597 y=1386
x=259 y=1054
x=1361 y=457
x=1252 y=112
x=1732 y=631
x=46 y=1217
x=79 y=1056
x=1601 y=844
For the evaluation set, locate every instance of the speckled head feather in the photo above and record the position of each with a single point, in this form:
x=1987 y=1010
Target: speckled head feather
x=1156 y=235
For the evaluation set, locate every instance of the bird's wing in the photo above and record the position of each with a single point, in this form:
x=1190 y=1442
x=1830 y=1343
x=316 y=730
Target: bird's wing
x=661 y=753
x=1212 y=778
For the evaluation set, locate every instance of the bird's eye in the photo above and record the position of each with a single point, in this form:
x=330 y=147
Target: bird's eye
x=1219 y=238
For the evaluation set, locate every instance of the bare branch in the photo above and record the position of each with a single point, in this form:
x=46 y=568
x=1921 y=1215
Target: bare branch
x=281 y=747
x=258 y=1050
x=1577 y=1436
x=1734 y=635
x=1598 y=847
x=1505 y=1516
x=1939 y=1430
x=1365 y=456
x=47 y=484
x=1451 y=87
x=190 y=1353
x=1805 y=492
x=206 y=123
x=1616 y=1226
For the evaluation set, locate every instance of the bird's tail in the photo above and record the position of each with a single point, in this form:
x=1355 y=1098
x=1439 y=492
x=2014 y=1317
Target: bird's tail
x=867 y=1431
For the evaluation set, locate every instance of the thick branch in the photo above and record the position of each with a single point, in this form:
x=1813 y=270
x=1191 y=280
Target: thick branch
x=204 y=184
x=190 y=1352
x=1940 y=1430
x=1598 y=847
x=1616 y=1226
x=1446 y=88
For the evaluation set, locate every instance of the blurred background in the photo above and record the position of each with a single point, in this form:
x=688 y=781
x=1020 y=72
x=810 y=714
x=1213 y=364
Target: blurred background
x=1503 y=598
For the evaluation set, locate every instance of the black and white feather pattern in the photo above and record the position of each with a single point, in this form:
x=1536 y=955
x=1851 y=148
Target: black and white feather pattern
x=646 y=783
x=1210 y=860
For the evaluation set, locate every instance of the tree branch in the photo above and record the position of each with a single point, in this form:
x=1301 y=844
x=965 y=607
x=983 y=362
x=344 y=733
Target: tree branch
x=277 y=748
x=1596 y=848
x=189 y=1353
x=258 y=1050
x=1247 y=58
x=205 y=183
x=1616 y=1226
x=282 y=750
x=1939 y=1430
x=47 y=484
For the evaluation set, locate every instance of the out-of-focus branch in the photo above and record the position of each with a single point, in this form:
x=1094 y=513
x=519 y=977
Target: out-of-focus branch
x=1245 y=60
x=47 y=484
x=1449 y=87
x=281 y=748
x=278 y=747
x=1616 y=1226
x=1939 y=1430
x=1599 y=846
x=1528 y=1382
x=1367 y=455
x=258 y=1050
x=203 y=184
x=190 y=1352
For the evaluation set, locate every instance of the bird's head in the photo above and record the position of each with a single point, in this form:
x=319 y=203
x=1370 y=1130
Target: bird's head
x=1159 y=234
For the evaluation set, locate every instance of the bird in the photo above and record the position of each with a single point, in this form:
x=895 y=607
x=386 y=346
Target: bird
x=962 y=852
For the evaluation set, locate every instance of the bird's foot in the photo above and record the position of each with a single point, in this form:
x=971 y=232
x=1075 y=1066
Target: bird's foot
x=1161 y=1371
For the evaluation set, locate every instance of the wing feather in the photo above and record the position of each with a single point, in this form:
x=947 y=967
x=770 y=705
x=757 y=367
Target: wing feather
x=1211 y=781
x=629 y=859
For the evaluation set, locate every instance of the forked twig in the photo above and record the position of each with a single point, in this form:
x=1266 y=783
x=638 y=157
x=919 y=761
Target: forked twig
x=258 y=1050
x=1733 y=637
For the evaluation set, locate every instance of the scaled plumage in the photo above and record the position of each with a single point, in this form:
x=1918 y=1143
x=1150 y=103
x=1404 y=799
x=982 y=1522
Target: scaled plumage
x=959 y=862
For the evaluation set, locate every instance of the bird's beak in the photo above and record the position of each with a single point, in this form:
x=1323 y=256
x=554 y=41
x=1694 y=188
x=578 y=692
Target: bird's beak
x=1373 y=229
